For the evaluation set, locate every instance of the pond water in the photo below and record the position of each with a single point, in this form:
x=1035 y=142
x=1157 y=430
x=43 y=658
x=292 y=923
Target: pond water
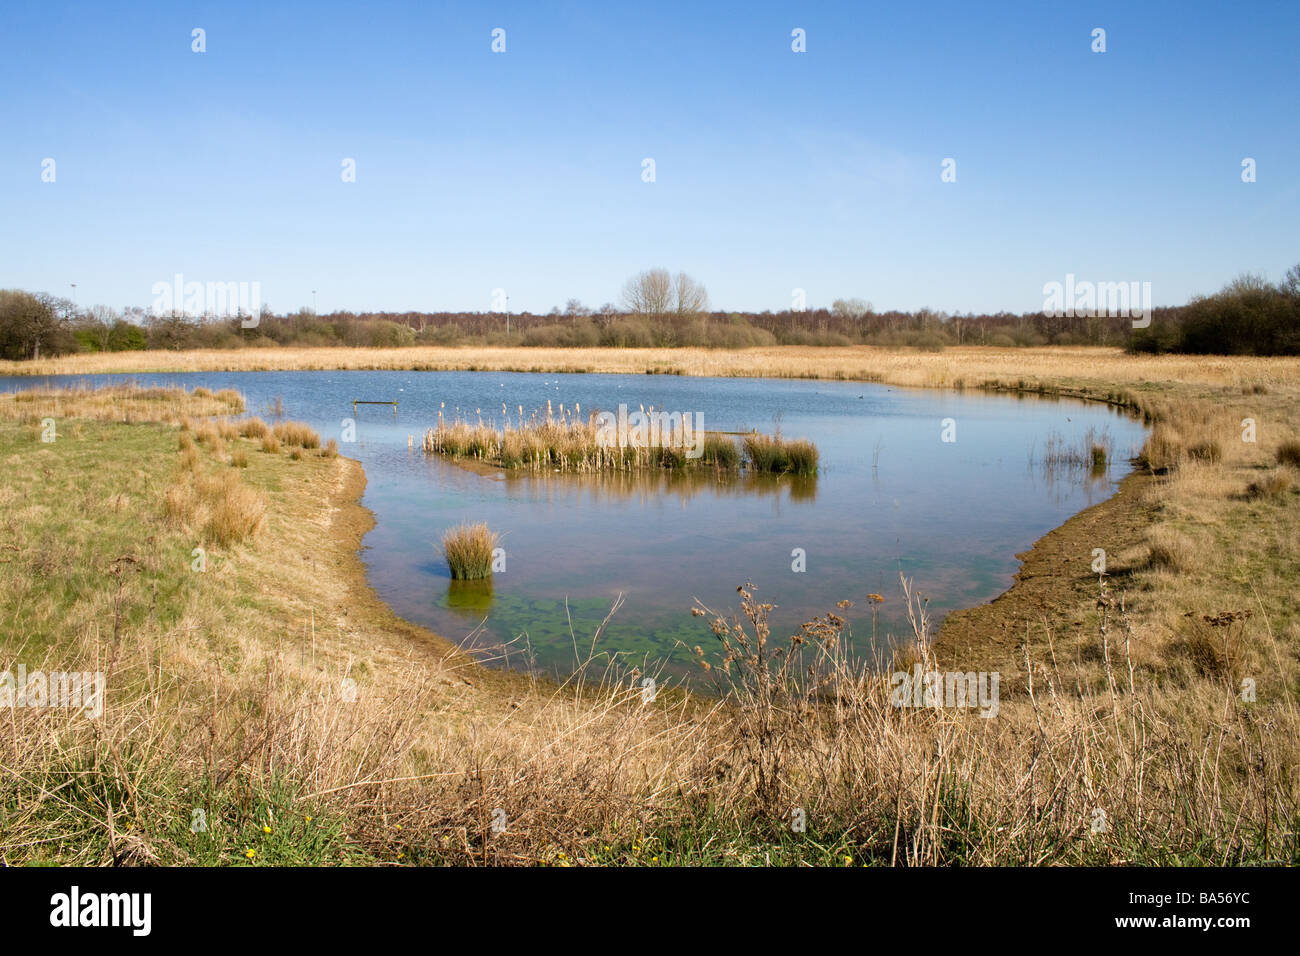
x=892 y=495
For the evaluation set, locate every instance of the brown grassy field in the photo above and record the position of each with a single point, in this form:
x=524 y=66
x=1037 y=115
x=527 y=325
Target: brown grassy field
x=277 y=694
x=965 y=366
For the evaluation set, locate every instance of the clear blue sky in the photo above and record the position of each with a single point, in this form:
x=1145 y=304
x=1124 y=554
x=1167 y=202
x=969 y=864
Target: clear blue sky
x=522 y=170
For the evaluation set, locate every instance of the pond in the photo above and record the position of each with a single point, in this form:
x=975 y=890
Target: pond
x=945 y=487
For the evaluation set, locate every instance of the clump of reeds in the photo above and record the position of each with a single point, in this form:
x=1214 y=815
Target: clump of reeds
x=270 y=444
x=1288 y=453
x=296 y=433
x=777 y=455
x=254 y=428
x=1093 y=451
x=469 y=548
x=720 y=451
x=229 y=396
x=226 y=510
x=208 y=434
x=331 y=449
x=1163 y=450
x=235 y=511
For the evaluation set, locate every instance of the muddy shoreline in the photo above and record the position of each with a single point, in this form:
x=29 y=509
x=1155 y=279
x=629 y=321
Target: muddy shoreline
x=1055 y=591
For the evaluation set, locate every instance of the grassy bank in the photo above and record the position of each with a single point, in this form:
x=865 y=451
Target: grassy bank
x=229 y=688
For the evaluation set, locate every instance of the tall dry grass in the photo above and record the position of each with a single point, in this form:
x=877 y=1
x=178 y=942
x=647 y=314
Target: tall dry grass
x=599 y=771
x=118 y=403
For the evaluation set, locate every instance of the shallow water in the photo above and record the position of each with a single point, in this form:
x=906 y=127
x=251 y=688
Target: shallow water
x=891 y=496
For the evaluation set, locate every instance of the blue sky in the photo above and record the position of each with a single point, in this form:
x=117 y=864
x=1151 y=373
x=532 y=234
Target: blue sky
x=775 y=170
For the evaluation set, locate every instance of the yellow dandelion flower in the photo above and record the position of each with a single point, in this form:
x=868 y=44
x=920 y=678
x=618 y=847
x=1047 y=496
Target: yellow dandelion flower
x=265 y=828
x=250 y=853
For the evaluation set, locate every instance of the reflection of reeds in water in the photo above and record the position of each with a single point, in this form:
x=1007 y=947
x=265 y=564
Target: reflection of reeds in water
x=571 y=443
x=647 y=485
x=472 y=597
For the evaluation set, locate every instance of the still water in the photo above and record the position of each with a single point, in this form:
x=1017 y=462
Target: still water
x=892 y=496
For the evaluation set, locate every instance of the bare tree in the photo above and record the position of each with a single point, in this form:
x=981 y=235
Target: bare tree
x=649 y=293
x=656 y=292
x=690 y=297
x=851 y=308
x=1291 y=281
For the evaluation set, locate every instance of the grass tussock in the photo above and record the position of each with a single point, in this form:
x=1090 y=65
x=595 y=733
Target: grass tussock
x=468 y=549
x=296 y=434
x=218 y=505
x=236 y=512
x=1163 y=450
x=1288 y=453
x=1169 y=550
x=254 y=428
x=1275 y=486
x=270 y=444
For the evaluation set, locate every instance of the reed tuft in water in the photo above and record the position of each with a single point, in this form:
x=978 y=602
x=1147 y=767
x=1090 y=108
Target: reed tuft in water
x=469 y=548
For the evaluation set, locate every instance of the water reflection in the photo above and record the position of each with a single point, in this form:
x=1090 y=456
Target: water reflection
x=471 y=600
x=646 y=485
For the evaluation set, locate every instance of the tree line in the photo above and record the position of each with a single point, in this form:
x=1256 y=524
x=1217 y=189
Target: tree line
x=657 y=309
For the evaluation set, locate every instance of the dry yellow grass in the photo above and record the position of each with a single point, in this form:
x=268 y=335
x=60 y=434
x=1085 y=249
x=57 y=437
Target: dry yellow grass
x=118 y=403
x=296 y=434
x=966 y=366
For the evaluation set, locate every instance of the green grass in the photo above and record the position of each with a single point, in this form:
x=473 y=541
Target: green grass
x=780 y=456
x=57 y=563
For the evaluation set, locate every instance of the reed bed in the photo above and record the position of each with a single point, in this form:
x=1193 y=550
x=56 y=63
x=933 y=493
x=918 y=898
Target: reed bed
x=568 y=442
x=1093 y=452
